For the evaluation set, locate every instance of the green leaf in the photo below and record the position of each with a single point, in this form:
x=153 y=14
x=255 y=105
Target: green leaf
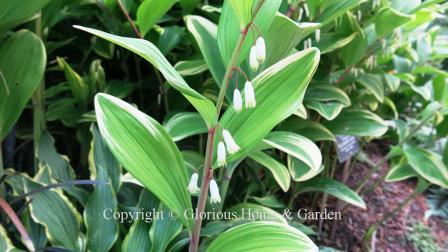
x=22 y=65
x=13 y=13
x=329 y=42
x=283 y=35
x=155 y=161
x=353 y=52
x=5 y=243
x=101 y=232
x=392 y=81
x=279 y=91
x=278 y=170
x=400 y=172
x=309 y=129
x=300 y=171
x=336 y=8
x=164 y=230
x=427 y=164
x=254 y=212
x=193 y=160
x=328 y=110
x=242 y=10
x=229 y=29
x=334 y=188
x=185 y=124
x=191 y=67
x=269 y=201
x=262 y=236
x=297 y=146
x=374 y=84
x=150 y=11
x=205 y=33
x=388 y=19
x=149 y=52
x=367 y=124
x=80 y=89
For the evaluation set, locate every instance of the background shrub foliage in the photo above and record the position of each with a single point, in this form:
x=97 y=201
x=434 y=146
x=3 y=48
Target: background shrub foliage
x=94 y=118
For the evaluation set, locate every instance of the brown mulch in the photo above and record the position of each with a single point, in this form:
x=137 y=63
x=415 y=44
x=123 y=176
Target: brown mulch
x=391 y=236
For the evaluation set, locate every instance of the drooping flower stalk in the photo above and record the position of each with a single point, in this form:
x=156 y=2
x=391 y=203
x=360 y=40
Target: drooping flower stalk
x=193 y=185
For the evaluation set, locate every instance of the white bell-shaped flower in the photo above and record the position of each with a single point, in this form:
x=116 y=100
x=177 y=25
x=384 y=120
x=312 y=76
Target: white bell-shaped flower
x=214 y=192
x=261 y=50
x=317 y=35
x=307 y=10
x=359 y=15
x=231 y=145
x=253 y=62
x=237 y=100
x=193 y=185
x=299 y=18
x=221 y=155
x=249 y=95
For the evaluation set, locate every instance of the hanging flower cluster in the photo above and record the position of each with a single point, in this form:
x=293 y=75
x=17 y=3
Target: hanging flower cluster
x=307 y=44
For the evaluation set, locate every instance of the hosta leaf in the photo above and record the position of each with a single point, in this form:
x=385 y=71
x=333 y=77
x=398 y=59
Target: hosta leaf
x=150 y=11
x=185 y=124
x=427 y=164
x=388 y=19
x=101 y=232
x=374 y=84
x=295 y=145
x=254 y=212
x=22 y=65
x=155 y=161
x=278 y=170
x=229 y=29
x=300 y=171
x=283 y=35
x=149 y=52
x=334 y=188
x=163 y=230
x=367 y=124
x=309 y=129
x=262 y=236
x=205 y=33
x=279 y=91
x=400 y=172
x=13 y=12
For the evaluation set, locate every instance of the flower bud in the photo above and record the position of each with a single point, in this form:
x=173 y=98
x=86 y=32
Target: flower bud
x=214 y=192
x=299 y=18
x=231 y=145
x=193 y=185
x=249 y=95
x=253 y=59
x=261 y=50
x=359 y=15
x=307 y=11
x=237 y=101
x=317 y=35
x=221 y=156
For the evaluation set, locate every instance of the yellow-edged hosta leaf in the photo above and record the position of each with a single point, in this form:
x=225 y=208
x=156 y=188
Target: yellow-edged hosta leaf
x=146 y=150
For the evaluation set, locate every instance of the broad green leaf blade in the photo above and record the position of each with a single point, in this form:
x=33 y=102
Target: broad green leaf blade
x=283 y=35
x=300 y=171
x=297 y=146
x=329 y=42
x=427 y=164
x=326 y=93
x=334 y=188
x=150 y=11
x=193 y=160
x=155 y=160
x=191 y=67
x=328 y=110
x=269 y=201
x=149 y=52
x=242 y=9
x=356 y=49
x=185 y=124
x=254 y=212
x=205 y=33
x=388 y=19
x=13 y=12
x=279 y=91
x=400 y=172
x=262 y=236
x=22 y=65
x=309 y=129
x=278 y=170
x=367 y=124
x=5 y=243
x=336 y=8
x=79 y=87
x=229 y=29
x=374 y=84
x=164 y=230
x=101 y=232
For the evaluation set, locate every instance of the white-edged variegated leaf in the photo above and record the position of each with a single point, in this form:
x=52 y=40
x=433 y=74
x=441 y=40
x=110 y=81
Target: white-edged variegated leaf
x=278 y=170
x=185 y=124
